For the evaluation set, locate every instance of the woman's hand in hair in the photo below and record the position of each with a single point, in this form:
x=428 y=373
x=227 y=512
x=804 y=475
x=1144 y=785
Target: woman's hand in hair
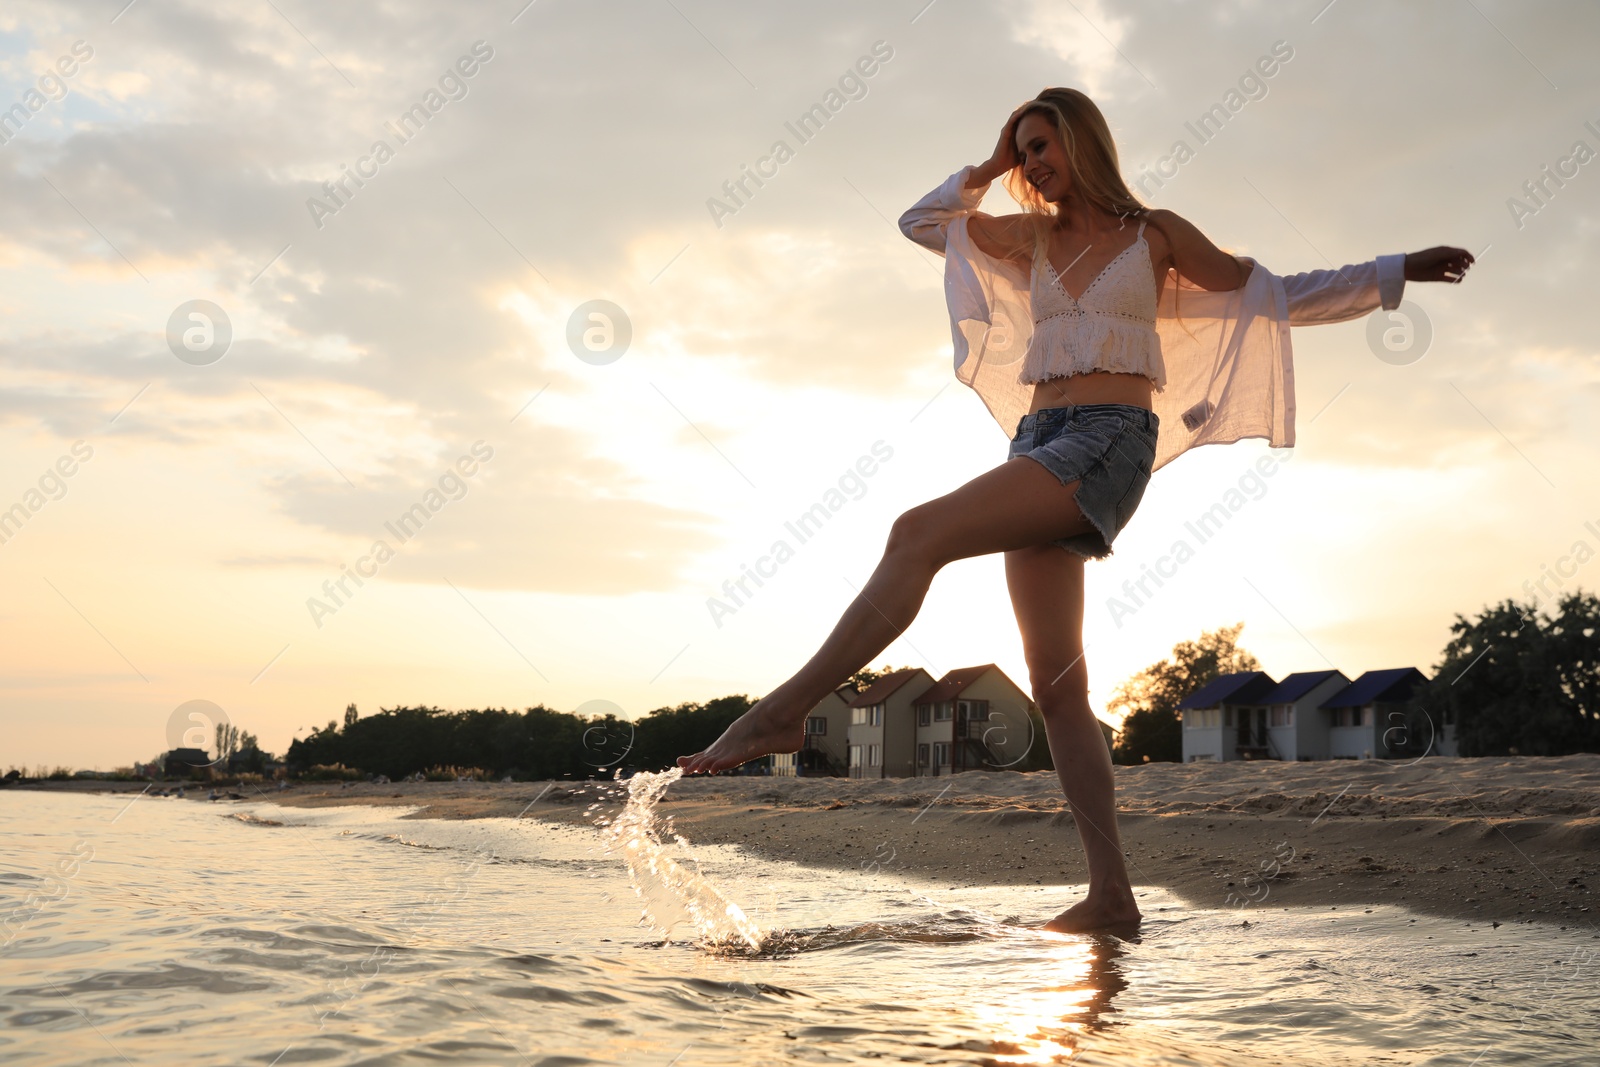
x=1004 y=157
x=1178 y=243
x=1438 y=264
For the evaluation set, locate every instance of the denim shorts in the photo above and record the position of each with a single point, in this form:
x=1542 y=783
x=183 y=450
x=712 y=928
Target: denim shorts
x=1108 y=448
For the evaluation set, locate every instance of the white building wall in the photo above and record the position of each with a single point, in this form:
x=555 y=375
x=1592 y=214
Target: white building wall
x=1359 y=742
x=1206 y=742
x=865 y=736
x=1311 y=722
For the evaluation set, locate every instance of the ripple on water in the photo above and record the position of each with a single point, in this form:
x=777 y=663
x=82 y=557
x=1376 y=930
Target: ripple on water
x=167 y=976
x=45 y=948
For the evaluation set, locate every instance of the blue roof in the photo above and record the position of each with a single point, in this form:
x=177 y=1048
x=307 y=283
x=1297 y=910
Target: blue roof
x=1395 y=684
x=1241 y=688
x=1298 y=685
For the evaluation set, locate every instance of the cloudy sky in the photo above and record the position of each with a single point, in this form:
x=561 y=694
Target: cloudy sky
x=432 y=305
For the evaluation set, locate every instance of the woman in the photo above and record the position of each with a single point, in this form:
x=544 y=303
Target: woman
x=1083 y=381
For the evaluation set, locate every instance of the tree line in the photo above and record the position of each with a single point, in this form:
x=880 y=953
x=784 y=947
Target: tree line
x=534 y=744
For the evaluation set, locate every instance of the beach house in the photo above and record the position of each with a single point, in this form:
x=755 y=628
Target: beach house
x=825 y=750
x=974 y=718
x=185 y=763
x=882 y=734
x=1219 y=718
x=1376 y=716
x=1311 y=715
x=1297 y=727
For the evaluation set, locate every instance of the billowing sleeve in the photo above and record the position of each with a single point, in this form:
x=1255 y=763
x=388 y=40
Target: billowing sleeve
x=1319 y=297
x=989 y=299
x=927 y=222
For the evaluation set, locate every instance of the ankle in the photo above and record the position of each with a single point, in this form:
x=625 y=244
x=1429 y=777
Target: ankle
x=1116 y=891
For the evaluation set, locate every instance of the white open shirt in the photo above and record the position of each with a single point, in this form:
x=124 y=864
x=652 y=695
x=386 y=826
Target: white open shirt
x=1230 y=370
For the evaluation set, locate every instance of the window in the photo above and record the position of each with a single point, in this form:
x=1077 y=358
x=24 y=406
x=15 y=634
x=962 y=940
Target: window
x=941 y=754
x=922 y=755
x=943 y=712
x=855 y=755
x=816 y=724
x=874 y=755
x=975 y=710
x=922 y=715
x=868 y=716
x=1283 y=715
x=1353 y=716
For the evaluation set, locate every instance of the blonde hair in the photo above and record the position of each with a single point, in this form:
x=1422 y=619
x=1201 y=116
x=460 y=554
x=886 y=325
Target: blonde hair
x=1096 y=174
x=1091 y=155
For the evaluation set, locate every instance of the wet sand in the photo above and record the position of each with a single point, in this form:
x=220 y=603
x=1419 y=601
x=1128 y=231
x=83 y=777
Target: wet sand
x=1505 y=840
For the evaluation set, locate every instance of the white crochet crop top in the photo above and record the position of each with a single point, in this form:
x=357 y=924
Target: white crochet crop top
x=1111 y=327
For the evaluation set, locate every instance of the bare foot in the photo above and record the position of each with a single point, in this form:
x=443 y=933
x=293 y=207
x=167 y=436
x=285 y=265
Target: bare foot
x=758 y=732
x=1102 y=911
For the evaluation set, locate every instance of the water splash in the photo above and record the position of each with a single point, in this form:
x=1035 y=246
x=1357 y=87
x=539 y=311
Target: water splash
x=672 y=893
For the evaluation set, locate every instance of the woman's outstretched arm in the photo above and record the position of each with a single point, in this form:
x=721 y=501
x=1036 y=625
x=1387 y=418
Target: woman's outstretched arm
x=1318 y=297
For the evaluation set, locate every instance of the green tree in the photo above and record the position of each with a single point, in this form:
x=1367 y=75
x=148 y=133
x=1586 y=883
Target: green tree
x=227 y=739
x=866 y=676
x=537 y=743
x=1151 y=728
x=1518 y=682
x=667 y=733
x=350 y=715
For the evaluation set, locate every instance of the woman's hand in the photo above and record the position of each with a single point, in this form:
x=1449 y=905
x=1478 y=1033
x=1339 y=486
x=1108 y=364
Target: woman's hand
x=1004 y=156
x=1438 y=264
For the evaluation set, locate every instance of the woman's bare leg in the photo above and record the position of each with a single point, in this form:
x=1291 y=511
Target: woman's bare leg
x=1017 y=505
x=1046 y=586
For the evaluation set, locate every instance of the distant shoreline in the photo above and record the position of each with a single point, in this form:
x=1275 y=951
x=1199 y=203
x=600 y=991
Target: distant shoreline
x=1491 y=839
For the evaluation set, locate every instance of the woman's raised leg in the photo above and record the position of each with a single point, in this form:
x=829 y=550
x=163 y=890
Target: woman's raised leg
x=1016 y=505
x=1046 y=585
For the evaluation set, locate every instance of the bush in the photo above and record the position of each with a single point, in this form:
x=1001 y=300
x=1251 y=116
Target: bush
x=334 y=772
x=456 y=774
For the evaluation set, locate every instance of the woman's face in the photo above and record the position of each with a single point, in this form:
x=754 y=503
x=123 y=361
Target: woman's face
x=1043 y=157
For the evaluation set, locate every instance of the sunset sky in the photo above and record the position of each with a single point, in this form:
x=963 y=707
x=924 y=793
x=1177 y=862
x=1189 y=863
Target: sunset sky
x=384 y=330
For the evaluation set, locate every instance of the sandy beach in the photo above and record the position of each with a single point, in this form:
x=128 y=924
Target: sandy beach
x=1503 y=840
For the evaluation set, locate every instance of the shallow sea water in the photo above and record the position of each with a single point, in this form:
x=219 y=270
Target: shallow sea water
x=163 y=931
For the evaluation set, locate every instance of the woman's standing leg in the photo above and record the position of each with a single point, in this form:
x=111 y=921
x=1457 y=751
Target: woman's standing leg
x=1046 y=584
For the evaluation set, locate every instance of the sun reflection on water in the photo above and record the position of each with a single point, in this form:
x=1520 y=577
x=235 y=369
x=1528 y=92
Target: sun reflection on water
x=1045 y=1025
